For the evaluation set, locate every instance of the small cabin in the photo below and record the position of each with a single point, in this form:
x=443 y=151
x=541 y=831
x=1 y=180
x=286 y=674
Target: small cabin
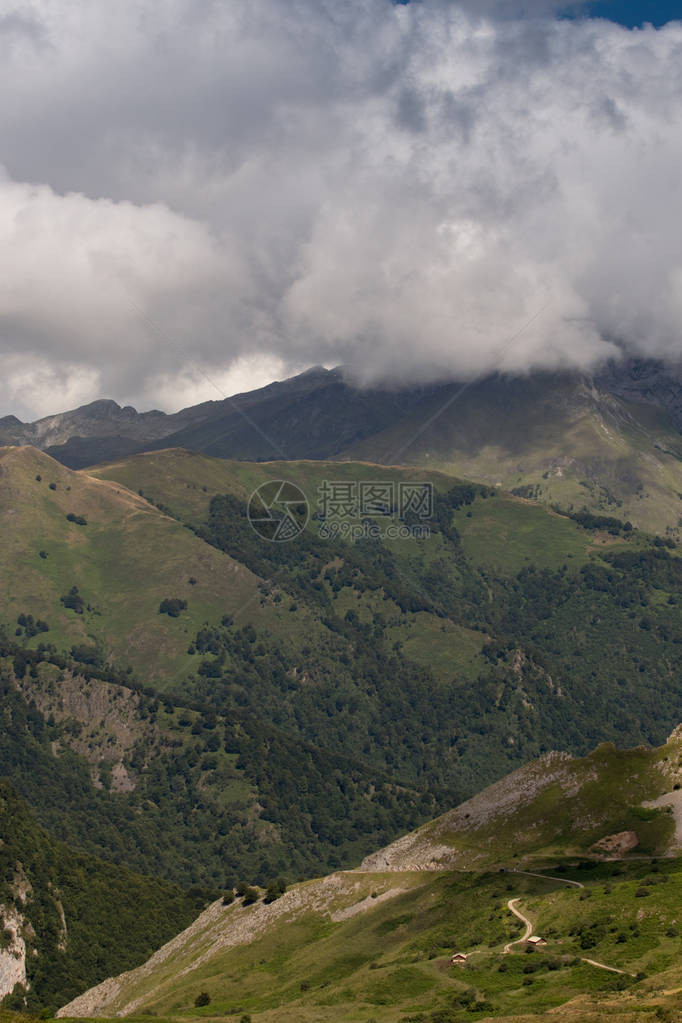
x=535 y=941
x=459 y=958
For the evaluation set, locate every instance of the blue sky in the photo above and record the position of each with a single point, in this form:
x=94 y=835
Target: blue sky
x=635 y=12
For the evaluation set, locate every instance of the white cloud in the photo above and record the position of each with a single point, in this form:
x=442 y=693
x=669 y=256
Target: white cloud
x=284 y=182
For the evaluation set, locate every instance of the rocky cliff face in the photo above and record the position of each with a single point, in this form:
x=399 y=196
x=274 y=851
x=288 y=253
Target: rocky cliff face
x=13 y=952
x=646 y=382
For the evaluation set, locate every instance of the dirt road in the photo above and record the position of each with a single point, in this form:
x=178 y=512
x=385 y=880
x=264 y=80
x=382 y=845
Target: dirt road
x=524 y=920
x=562 y=880
x=602 y=966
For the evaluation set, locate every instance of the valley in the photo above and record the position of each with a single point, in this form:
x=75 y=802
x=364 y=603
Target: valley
x=340 y=511
x=185 y=701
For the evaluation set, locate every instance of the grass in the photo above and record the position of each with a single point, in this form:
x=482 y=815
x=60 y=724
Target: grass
x=449 y=650
x=125 y=561
x=363 y=946
x=392 y=961
x=508 y=534
x=571 y=446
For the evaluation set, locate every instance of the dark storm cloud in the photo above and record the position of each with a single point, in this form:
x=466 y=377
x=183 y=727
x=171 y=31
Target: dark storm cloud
x=285 y=182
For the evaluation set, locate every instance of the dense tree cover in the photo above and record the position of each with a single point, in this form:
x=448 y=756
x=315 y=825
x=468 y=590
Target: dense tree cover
x=576 y=657
x=215 y=797
x=368 y=565
x=295 y=757
x=114 y=918
x=604 y=644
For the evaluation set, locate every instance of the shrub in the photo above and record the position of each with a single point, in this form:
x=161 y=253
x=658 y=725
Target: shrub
x=80 y=520
x=172 y=606
x=203 y=998
x=73 y=601
x=642 y=893
x=274 y=890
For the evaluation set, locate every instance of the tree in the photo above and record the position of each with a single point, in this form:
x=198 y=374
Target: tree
x=172 y=606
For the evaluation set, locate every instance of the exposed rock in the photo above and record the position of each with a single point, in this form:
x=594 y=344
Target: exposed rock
x=674 y=800
x=222 y=927
x=425 y=849
x=617 y=845
x=13 y=956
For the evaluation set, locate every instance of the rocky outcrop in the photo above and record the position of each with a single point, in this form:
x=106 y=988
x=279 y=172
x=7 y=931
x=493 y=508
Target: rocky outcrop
x=428 y=849
x=645 y=382
x=13 y=952
x=615 y=846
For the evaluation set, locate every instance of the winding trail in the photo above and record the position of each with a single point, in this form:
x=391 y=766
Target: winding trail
x=602 y=966
x=546 y=877
x=511 y=905
x=524 y=920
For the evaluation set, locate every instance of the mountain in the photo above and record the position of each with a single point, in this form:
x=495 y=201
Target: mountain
x=69 y=919
x=645 y=381
x=609 y=442
x=147 y=782
x=504 y=630
x=311 y=415
x=503 y=596
x=560 y=439
x=586 y=851
x=185 y=698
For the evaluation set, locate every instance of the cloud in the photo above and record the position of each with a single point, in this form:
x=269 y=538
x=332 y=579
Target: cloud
x=277 y=183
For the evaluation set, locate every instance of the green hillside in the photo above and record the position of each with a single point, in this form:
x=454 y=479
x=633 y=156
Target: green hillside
x=69 y=919
x=360 y=687
x=556 y=438
x=573 y=845
x=507 y=611
x=124 y=558
x=610 y=442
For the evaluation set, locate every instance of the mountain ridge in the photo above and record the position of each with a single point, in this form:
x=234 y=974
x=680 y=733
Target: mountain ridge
x=609 y=441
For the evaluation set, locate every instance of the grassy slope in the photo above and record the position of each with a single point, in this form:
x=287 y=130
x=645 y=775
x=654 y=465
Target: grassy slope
x=374 y=944
x=506 y=535
x=126 y=560
x=185 y=482
x=576 y=445
x=568 y=629
x=555 y=806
